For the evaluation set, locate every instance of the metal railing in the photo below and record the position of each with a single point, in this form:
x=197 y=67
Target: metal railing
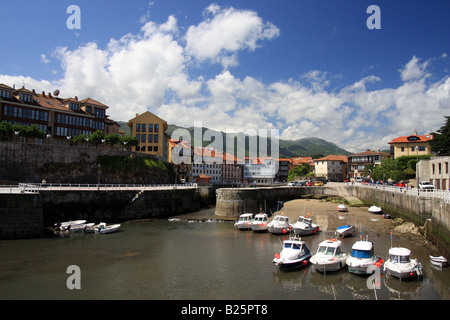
x=38 y=187
x=436 y=193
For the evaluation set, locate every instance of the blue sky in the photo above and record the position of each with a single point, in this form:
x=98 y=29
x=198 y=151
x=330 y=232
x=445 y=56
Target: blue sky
x=307 y=68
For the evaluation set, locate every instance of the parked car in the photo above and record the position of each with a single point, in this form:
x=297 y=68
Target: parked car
x=318 y=183
x=426 y=186
x=310 y=184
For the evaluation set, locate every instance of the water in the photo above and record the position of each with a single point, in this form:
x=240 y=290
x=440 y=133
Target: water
x=193 y=260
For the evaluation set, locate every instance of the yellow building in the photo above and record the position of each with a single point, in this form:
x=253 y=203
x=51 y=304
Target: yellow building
x=149 y=129
x=413 y=145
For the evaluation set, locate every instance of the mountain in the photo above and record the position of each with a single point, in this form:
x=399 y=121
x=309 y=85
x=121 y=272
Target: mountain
x=304 y=147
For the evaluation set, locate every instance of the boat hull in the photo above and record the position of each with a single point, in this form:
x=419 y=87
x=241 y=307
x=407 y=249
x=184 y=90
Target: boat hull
x=375 y=210
x=290 y=265
x=242 y=226
x=259 y=228
x=346 y=232
x=325 y=265
x=412 y=271
x=279 y=229
x=360 y=267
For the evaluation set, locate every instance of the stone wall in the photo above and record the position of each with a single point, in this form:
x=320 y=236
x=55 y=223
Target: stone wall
x=22 y=162
x=21 y=216
x=232 y=202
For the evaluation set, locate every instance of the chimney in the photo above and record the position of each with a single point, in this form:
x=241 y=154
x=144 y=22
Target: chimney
x=49 y=95
x=76 y=98
x=34 y=92
x=43 y=94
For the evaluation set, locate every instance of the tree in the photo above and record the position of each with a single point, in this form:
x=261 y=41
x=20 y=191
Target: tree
x=441 y=140
x=299 y=171
x=112 y=139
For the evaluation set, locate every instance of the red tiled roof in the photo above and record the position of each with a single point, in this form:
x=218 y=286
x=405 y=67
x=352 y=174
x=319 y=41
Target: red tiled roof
x=404 y=139
x=332 y=157
x=370 y=152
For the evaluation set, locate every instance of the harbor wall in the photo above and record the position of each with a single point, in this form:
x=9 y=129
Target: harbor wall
x=232 y=202
x=21 y=216
x=430 y=214
x=28 y=215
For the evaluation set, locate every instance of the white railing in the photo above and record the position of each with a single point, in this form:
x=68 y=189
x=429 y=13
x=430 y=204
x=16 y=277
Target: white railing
x=441 y=194
x=37 y=187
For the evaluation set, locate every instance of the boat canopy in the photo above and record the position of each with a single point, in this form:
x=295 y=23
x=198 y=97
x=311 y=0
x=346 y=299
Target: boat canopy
x=399 y=255
x=281 y=218
x=295 y=246
x=364 y=254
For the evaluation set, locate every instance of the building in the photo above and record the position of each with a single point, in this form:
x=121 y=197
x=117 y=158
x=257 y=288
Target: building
x=184 y=153
x=259 y=170
x=149 y=130
x=436 y=171
x=60 y=119
x=207 y=162
x=232 y=170
x=331 y=167
x=283 y=169
x=358 y=162
x=413 y=145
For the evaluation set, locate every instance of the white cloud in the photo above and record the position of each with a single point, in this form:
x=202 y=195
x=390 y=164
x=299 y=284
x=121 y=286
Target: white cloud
x=218 y=39
x=414 y=70
x=44 y=59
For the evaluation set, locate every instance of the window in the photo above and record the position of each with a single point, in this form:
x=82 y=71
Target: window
x=143 y=137
x=138 y=127
x=144 y=127
x=412 y=148
x=402 y=149
x=138 y=137
x=156 y=127
x=150 y=138
x=155 y=148
x=150 y=127
x=446 y=167
x=155 y=138
x=422 y=148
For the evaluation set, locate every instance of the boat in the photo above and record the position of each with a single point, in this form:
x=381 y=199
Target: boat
x=63 y=226
x=294 y=254
x=342 y=208
x=103 y=228
x=80 y=227
x=375 y=209
x=329 y=256
x=440 y=261
x=260 y=223
x=244 y=221
x=279 y=225
x=304 y=226
x=401 y=266
x=362 y=257
x=346 y=231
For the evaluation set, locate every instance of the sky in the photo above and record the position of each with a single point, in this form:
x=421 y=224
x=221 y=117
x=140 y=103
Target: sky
x=308 y=68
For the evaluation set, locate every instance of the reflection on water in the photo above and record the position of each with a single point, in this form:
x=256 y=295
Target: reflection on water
x=192 y=260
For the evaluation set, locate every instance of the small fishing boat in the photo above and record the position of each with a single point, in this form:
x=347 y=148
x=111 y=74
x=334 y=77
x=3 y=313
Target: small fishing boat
x=329 y=256
x=244 y=222
x=260 y=223
x=103 y=228
x=401 y=266
x=440 y=261
x=294 y=254
x=279 y=225
x=375 y=209
x=304 y=226
x=362 y=257
x=80 y=227
x=342 y=208
x=63 y=226
x=346 y=231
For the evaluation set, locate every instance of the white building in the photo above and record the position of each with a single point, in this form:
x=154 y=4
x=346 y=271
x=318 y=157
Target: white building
x=436 y=171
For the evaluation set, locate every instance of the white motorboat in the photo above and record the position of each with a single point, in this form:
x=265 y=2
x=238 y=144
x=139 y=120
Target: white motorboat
x=342 y=208
x=329 y=256
x=279 y=225
x=244 y=222
x=260 y=223
x=362 y=257
x=103 y=228
x=346 y=231
x=304 y=226
x=294 y=254
x=63 y=226
x=375 y=209
x=401 y=266
x=440 y=261
x=80 y=227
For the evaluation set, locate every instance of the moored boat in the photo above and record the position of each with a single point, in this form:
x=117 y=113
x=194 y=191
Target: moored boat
x=244 y=222
x=260 y=223
x=346 y=231
x=63 y=226
x=304 y=226
x=294 y=254
x=362 y=257
x=103 y=228
x=375 y=209
x=440 y=261
x=401 y=266
x=279 y=225
x=329 y=256
x=80 y=227
x=342 y=208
